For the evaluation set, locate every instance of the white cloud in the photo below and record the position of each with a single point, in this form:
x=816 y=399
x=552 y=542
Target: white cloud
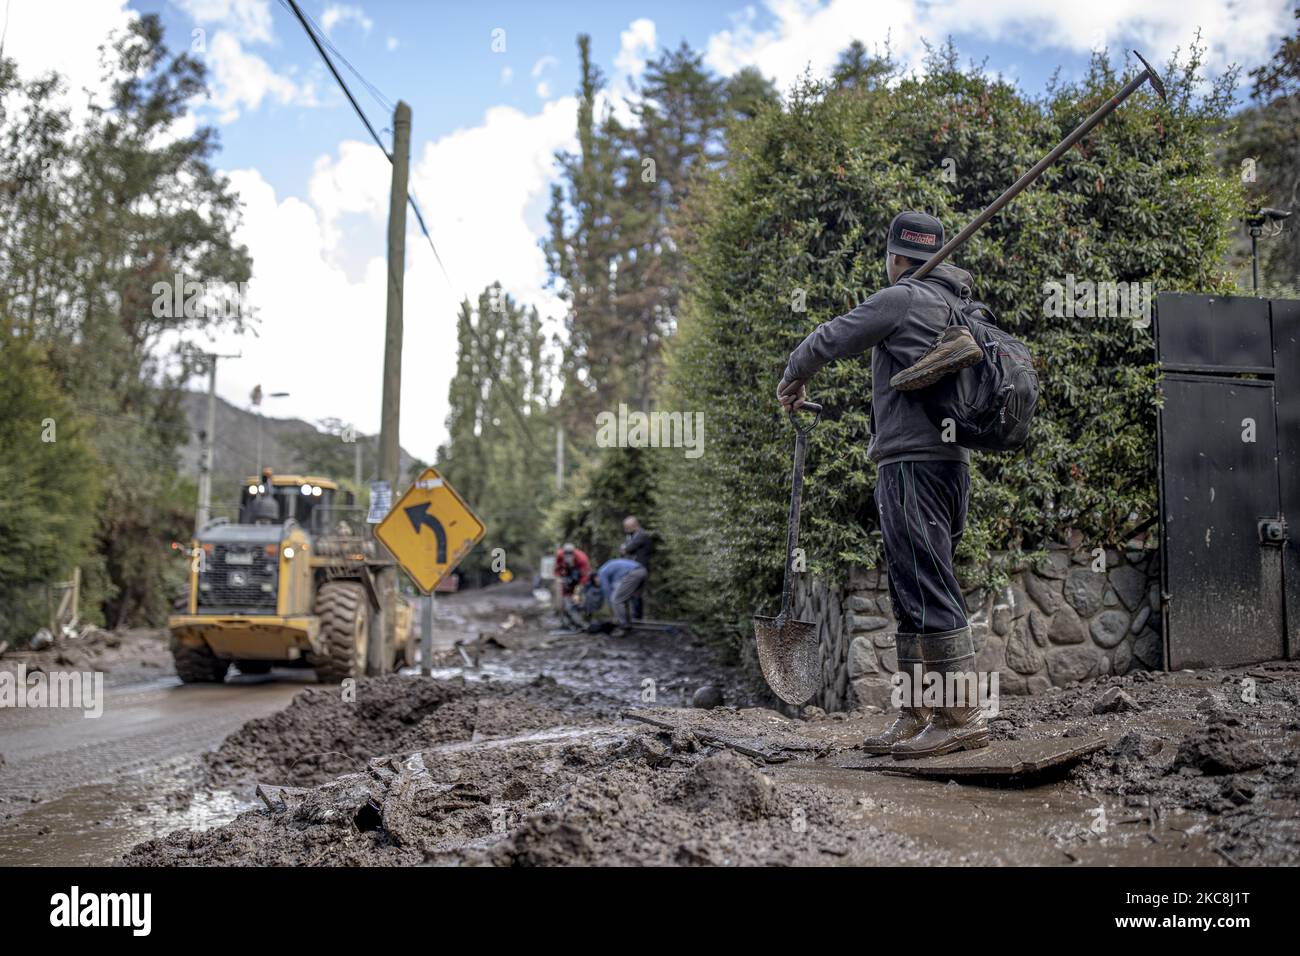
x=810 y=34
x=806 y=34
x=249 y=20
x=391 y=44
x=331 y=327
x=356 y=181
x=333 y=321
x=636 y=45
x=243 y=79
x=507 y=75
x=543 y=64
x=1235 y=30
x=71 y=49
x=337 y=13
x=240 y=79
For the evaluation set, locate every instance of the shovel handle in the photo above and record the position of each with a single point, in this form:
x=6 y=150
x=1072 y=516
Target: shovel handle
x=796 y=494
x=806 y=407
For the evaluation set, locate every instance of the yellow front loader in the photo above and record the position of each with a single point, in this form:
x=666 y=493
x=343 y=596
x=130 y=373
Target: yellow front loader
x=289 y=583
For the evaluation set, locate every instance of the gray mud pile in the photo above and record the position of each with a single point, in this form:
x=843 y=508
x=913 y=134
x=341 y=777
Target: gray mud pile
x=322 y=734
x=583 y=750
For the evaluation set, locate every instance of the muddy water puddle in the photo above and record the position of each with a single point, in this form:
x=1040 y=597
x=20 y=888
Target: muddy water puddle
x=1047 y=824
x=92 y=825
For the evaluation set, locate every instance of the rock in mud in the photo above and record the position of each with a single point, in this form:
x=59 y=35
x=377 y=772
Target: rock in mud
x=727 y=783
x=1135 y=746
x=1220 y=749
x=1115 y=701
x=707 y=697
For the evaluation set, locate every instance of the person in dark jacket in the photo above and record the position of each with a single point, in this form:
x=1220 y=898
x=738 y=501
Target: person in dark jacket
x=922 y=482
x=637 y=546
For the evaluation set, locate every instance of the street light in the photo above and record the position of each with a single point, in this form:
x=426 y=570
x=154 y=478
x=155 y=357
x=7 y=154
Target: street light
x=1256 y=222
x=257 y=400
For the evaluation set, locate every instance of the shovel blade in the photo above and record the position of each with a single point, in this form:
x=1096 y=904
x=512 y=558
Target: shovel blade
x=790 y=655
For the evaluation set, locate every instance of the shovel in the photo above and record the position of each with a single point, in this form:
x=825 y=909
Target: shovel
x=788 y=650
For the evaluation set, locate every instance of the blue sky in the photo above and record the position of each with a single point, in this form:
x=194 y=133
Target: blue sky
x=486 y=125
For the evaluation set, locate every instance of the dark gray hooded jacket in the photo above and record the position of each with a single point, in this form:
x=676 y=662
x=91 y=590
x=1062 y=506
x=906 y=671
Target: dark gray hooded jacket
x=899 y=324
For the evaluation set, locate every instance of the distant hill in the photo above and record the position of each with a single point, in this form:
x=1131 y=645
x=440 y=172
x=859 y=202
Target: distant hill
x=235 y=450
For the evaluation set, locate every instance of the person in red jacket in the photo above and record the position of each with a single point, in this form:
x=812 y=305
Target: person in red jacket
x=572 y=567
x=573 y=570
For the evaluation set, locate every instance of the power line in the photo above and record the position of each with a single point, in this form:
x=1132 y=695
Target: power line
x=311 y=35
x=374 y=91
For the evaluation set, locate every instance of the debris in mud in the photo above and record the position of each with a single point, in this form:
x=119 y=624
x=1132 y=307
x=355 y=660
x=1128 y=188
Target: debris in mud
x=123 y=656
x=1220 y=749
x=321 y=734
x=514 y=768
x=1115 y=701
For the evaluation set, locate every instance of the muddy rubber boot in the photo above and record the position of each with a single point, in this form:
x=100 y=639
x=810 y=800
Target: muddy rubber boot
x=954 y=350
x=951 y=728
x=910 y=720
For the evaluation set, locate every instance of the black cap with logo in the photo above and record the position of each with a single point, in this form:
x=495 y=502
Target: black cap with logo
x=916 y=235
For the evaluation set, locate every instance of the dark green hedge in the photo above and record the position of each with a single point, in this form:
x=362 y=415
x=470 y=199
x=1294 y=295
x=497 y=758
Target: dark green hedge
x=804 y=203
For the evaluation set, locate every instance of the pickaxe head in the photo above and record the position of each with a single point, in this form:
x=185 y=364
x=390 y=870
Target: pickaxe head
x=1152 y=76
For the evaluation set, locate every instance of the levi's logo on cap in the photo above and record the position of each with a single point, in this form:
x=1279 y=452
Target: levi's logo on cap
x=924 y=238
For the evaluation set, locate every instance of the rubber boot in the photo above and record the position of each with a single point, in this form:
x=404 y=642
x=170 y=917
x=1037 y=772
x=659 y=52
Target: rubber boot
x=910 y=720
x=950 y=728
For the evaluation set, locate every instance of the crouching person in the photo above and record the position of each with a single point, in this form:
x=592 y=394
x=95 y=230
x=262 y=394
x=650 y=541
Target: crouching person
x=621 y=580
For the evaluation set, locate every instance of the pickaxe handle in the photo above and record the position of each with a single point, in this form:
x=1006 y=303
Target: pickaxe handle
x=1019 y=185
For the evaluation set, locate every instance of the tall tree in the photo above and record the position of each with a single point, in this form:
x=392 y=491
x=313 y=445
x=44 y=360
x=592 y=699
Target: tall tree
x=500 y=429
x=97 y=216
x=612 y=250
x=859 y=69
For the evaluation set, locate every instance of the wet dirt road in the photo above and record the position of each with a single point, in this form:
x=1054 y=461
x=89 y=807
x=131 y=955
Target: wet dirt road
x=77 y=790
x=535 y=747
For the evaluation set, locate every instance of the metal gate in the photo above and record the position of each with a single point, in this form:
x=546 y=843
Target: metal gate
x=1229 y=475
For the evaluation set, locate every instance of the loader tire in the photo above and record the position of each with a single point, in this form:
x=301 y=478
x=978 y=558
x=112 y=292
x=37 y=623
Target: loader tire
x=198 y=665
x=344 y=612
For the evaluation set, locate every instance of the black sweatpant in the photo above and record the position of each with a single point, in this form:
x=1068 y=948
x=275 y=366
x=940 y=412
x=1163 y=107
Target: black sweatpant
x=922 y=506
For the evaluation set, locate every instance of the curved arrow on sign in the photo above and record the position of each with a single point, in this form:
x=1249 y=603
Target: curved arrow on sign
x=419 y=515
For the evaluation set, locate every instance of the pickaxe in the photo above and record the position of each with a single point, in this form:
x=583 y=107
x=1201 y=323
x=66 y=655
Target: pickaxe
x=1019 y=185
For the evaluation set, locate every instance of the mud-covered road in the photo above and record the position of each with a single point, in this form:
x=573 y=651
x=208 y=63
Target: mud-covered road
x=531 y=747
x=82 y=790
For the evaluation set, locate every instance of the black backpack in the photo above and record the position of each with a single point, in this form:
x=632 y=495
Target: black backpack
x=992 y=402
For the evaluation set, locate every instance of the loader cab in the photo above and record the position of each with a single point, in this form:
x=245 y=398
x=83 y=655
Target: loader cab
x=308 y=500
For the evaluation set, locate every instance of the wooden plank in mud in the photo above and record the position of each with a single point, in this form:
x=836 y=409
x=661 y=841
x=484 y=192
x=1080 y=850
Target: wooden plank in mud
x=776 y=748
x=279 y=798
x=1001 y=758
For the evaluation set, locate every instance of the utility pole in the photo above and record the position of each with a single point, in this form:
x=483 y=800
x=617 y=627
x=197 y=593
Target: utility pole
x=559 y=458
x=383 y=636
x=203 y=512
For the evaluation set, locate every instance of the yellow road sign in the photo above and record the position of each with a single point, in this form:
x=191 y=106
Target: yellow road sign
x=430 y=530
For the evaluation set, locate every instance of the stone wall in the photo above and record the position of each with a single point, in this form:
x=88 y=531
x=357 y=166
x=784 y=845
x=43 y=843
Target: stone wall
x=1055 y=622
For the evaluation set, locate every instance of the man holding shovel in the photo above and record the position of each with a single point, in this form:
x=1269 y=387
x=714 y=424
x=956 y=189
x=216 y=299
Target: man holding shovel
x=922 y=481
